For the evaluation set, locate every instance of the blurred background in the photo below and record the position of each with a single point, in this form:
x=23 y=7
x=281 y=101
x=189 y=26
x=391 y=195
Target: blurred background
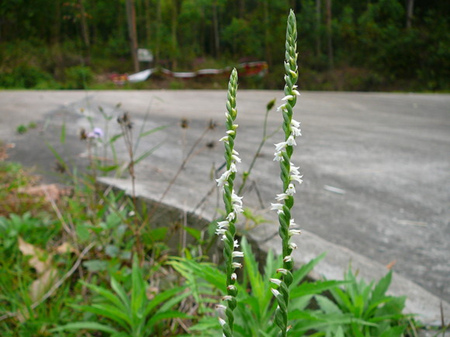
x=352 y=45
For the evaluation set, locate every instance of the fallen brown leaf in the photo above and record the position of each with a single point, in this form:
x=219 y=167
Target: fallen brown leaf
x=41 y=261
x=49 y=191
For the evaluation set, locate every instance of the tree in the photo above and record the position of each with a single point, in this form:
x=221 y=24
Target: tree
x=329 y=36
x=409 y=13
x=131 y=19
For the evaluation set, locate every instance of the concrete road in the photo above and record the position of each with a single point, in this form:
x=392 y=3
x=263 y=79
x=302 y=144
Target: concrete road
x=376 y=166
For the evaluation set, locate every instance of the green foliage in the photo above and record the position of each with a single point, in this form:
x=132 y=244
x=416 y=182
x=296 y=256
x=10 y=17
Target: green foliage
x=382 y=313
x=37 y=230
x=28 y=77
x=254 y=313
x=42 y=40
x=129 y=312
x=21 y=129
x=78 y=77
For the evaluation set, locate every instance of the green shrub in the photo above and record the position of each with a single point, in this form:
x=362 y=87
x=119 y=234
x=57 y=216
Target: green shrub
x=24 y=77
x=78 y=77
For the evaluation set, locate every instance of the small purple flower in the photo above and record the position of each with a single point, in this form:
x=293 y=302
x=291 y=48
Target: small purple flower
x=96 y=133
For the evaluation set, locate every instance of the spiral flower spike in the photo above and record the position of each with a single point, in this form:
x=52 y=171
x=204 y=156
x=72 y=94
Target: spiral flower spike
x=233 y=206
x=289 y=175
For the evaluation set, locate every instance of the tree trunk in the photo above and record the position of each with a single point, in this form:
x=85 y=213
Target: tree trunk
x=131 y=18
x=174 y=34
x=241 y=9
x=158 y=31
x=267 y=33
x=56 y=31
x=409 y=13
x=329 y=36
x=216 y=30
x=148 y=29
x=318 y=19
x=85 y=32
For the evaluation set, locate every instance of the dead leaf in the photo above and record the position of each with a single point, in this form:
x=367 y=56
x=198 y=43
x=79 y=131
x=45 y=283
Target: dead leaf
x=42 y=284
x=4 y=151
x=49 y=191
x=391 y=264
x=41 y=261
x=64 y=248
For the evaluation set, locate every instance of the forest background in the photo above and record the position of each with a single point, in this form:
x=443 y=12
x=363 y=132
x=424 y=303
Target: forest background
x=362 y=45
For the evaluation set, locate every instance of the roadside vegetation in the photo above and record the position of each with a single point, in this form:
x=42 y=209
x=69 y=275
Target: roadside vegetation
x=70 y=267
x=88 y=260
x=378 y=45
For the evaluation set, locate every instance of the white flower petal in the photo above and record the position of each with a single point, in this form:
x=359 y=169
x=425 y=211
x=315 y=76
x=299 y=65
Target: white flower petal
x=282 y=196
x=291 y=141
x=275 y=281
x=280 y=146
x=237 y=254
x=290 y=190
x=235 y=158
x=275 y=292
x=223 y=224
x=297 y=178
x=278 y=156
x=294 y=232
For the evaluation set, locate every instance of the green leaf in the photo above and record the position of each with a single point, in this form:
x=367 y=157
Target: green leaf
x=164 y=315
x=147 y=153
x=381 y=287
x=108 y=168
x=138 y=296
x=252 y=271
x=301 y=273
x=396 y=331
x=206 y=324
x=339 y=332
x=112 y=250
x=115 y=137
x=159 y=128
x=106 y=294
x=342 y=299
x=314 y=320
x=327 y=306
x=82 y=232
x=155 y=235
x=87 y=326
x=208 y=273
x=96 y=265
x=170 y=303
x=195 y=233
x=308 y=288
x=60 y=160
x=118 y=289
x=62 y=137
x=394 y=306
x=120 y=334
x=161 y=298
x=108 y=311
